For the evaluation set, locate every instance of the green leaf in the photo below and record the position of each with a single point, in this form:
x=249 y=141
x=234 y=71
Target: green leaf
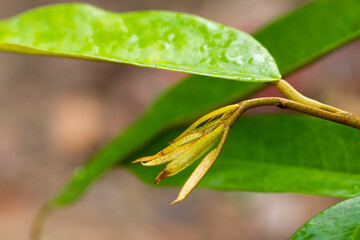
x=197 y=95
x=276 y=153
x=312 y=31
x=339 y=222
x=158 y=39
x=160 y=116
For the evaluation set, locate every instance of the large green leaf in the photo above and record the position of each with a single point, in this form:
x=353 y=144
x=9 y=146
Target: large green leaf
x=276 y=153
x=197 y=95
x=158 y=39
x=313 y=31
x=339 y=222
x=160 y=116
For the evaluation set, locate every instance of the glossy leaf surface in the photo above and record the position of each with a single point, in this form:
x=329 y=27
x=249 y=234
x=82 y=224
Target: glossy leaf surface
x=339 y=222
x=158 y=39
x=197 y=95
x=297 y=154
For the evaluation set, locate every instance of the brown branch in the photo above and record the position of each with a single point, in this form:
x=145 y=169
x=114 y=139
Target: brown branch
x=348 y=119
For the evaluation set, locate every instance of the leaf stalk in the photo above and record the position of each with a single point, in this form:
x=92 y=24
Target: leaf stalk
x=291 y=93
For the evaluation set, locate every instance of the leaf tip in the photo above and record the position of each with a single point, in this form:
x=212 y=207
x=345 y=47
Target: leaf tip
x=163 y=174
x=145 y=159
x=175 y=201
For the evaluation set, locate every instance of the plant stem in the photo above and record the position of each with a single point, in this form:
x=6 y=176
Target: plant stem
x=346 y=119
x=38 y=223
x=291 y=93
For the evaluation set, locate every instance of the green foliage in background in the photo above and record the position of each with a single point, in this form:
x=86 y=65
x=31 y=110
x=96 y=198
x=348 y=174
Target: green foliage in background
x=275 y=153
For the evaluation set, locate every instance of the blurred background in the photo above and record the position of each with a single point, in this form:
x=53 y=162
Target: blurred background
x=55 y=113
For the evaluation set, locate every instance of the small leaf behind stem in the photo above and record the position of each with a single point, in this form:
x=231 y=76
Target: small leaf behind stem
x=339 y=222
